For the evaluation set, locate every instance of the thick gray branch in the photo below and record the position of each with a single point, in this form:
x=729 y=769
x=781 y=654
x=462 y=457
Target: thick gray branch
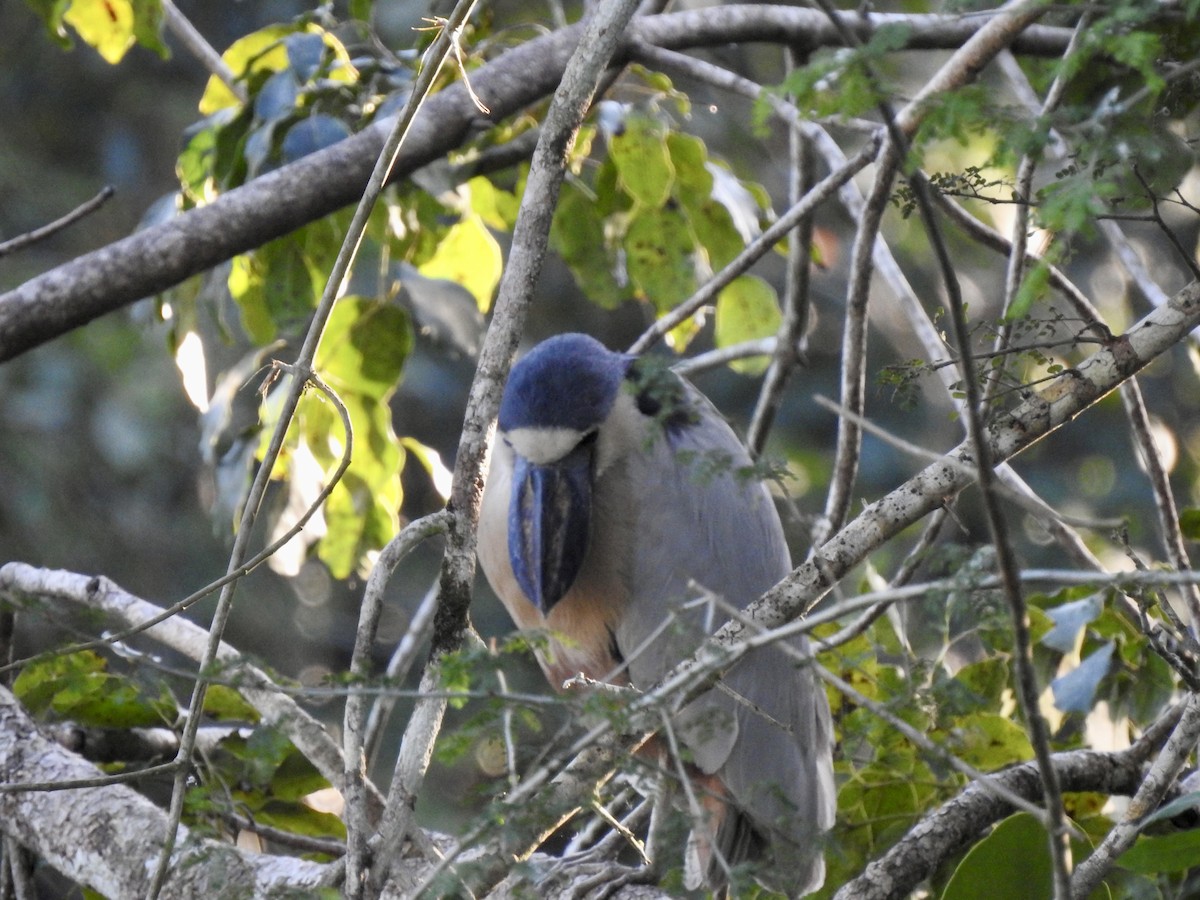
x=162 y=256
x=106 y=837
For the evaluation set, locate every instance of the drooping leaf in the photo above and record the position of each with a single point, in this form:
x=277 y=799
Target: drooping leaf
x=225 y=704
x=1070 y=619
x=1178 y=806
x=364 y=347
x=277 y=97
x=495 y=206
x=270 y=50
x=305 y=51
x=990 y=741
x=360 y=520
x=262 y=50
x=1075 y=691
x=78 y=687
x=443 y=311
x=311 y=134
x=278 y=285
x=105 y=24
x=578 y=236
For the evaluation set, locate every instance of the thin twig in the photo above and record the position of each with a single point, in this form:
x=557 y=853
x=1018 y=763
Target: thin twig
x=1014 y=271
x=1029 y=502
x=398 y=667
x=854 y=347
x=86 y=208
x=98 y=781
x=796 y=300
x=1164 y=497
x=199 y=47
x=1089 y=873
x=721 y=356
x=354 y=740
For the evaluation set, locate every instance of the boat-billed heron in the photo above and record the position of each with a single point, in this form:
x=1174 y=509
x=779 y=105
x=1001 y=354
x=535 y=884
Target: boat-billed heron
x=617 y=493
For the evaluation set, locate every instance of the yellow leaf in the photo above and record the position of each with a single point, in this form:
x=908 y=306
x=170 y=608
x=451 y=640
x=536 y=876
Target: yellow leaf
x=105 y=24
x=265 y=51
x=468 y=255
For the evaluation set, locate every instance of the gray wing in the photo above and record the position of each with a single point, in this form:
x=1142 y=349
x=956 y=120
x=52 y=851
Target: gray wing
x=700 y=518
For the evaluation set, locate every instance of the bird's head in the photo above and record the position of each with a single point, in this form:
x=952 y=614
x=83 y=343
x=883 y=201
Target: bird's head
x=557 y=402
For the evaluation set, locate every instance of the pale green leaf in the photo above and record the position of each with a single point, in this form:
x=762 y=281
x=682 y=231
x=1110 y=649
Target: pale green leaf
x=747 y=310
x=660 y=257
x=643 y=163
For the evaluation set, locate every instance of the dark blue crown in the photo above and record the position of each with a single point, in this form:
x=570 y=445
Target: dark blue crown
x=567 y=381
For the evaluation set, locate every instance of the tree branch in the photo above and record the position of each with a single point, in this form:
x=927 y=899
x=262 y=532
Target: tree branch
x=956 y=824
x=108 y=837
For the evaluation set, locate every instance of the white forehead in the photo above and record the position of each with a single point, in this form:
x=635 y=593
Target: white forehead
x=542 y=446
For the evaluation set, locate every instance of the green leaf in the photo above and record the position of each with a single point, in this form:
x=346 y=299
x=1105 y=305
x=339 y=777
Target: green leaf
x=295 y=777
x=1033 y=287
x=225 y=704
x=1069 y=620
x=147 y=26
x=497 y=208
x=364 y=347
x=38 y=682
x=643 y=164
x=660 y=257
x=296 y=817
x=1189 y=523
x=278 y=285
x=747 y=309
x=259 y=51
x=363 y=511
x=578 y=236
x=1175 y=852
x=990 y=741
x=468 y=255
x=988 y=870
x=78 y=687
x=265 y=51
x=1178 y=806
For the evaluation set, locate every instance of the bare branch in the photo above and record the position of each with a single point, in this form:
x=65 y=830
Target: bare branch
x=40 y=234
x=199 y=47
